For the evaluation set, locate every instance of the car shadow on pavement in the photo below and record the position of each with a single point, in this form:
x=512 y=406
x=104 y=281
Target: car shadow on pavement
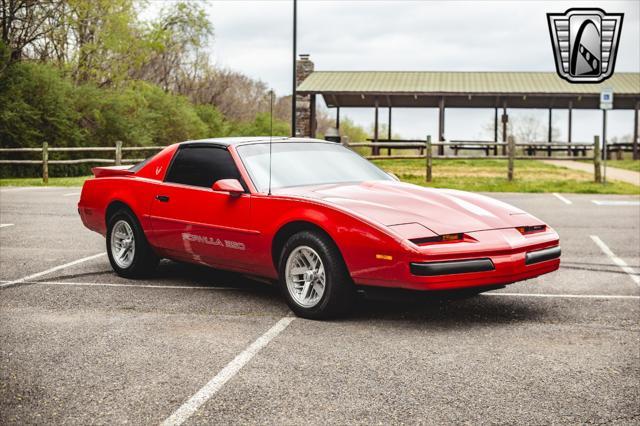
x=454 y=307
x=434 y=308
x=172 y=273
x=445 y=311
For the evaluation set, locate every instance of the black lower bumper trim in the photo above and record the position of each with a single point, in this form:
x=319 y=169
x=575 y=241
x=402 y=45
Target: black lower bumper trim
x=542 y=255
x=452 y=267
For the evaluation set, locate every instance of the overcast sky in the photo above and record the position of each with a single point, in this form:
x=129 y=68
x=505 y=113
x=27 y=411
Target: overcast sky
x=254 y=37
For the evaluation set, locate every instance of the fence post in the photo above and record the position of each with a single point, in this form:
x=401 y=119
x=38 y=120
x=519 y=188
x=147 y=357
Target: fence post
x=597 y=159
x=511 y=147
x=429 y=158
x=45 y=162
x=118 y=153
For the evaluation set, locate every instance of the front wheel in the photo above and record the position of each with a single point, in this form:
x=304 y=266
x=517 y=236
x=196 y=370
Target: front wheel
x=313 y=277
x=129 y=252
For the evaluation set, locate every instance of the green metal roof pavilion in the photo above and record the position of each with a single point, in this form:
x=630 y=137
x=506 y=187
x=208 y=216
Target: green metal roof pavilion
x=432 y=89
x=466 y=89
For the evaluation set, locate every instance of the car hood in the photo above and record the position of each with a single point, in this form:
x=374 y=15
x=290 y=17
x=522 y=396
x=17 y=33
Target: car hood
x=443 y=211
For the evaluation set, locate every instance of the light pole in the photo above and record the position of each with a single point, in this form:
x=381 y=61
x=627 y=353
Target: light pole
x=294 y=91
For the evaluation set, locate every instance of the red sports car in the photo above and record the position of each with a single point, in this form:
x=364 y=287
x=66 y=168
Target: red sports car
x=313 y=215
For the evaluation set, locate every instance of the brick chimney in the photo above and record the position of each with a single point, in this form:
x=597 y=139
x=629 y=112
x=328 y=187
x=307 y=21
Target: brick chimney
x=305 y=104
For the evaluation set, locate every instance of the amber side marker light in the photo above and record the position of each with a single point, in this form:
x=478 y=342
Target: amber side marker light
x=384 y=257
x=531 y=229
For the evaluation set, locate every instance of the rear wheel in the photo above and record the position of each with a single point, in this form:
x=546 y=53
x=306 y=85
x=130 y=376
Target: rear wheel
x=129 y=252
x=313 y=277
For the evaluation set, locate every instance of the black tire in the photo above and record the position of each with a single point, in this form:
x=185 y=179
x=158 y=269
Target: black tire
x=145 y=260
x=339 y=290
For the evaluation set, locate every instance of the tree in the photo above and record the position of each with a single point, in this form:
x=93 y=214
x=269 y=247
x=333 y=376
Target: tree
x=261 y=126
x=91 y=72
x=179 y=34
x=351 y=130
x=26 y=22
x=107 y=39
x=36 y=105
x=348 y=128
x=525 y=128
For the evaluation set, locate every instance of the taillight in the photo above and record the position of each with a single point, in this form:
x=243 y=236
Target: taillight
x=531 y=229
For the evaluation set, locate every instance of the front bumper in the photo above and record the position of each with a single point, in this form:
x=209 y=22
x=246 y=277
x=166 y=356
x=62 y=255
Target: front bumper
x=451 y=267
x=497 y=258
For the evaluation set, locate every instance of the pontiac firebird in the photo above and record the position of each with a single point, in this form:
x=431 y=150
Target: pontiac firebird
x=311 y=215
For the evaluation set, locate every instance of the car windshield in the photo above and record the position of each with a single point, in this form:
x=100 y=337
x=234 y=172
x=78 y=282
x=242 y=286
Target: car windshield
x=305 y=163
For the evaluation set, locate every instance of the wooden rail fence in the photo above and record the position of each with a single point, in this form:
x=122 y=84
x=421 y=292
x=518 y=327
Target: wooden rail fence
x=117 y=159
x=510 y=151
x=425 y=148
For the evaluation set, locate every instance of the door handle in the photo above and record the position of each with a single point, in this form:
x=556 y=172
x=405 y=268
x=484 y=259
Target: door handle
x=162 y=198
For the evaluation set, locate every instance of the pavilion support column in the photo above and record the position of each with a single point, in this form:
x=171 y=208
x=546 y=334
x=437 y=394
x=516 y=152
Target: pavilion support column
x=495 y=130
x=312 y=116
x=505 y=121
x=569 y=129
x=550 y=133
x=441 y=126
x=302 y=103
x=636 y=129
x=389 y=132
x=376 y=150
x=337 y=118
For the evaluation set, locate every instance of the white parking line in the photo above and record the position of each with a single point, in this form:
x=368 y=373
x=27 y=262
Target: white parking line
x=48 y=271
x=621 y=263
x=215 y=384
x=561 y=198
x=70 y=194
x=615 y=203
x=5 y=225
x=563 y=296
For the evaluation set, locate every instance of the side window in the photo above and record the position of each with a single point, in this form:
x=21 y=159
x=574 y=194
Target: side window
x=201 y=166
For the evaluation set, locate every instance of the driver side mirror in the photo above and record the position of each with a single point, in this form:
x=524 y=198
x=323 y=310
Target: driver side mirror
x=232 y=186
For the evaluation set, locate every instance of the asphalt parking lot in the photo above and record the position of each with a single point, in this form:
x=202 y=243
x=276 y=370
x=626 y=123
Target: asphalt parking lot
x=80 y=345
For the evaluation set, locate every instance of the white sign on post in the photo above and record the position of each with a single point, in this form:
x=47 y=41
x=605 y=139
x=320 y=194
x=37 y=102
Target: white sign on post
x=606 y=99
x=606 y=103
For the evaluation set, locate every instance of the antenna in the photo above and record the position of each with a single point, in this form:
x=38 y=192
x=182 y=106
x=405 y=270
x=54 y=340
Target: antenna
x=270 y=134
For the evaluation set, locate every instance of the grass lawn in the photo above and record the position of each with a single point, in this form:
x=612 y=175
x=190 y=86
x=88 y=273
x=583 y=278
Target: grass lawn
x=491 y=176
x=53 y=181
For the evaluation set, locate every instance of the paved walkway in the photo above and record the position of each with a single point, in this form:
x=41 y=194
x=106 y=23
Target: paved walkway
x=613 y=173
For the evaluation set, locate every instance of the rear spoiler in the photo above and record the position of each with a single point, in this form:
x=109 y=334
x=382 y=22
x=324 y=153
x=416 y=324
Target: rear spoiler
x=109 y=171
